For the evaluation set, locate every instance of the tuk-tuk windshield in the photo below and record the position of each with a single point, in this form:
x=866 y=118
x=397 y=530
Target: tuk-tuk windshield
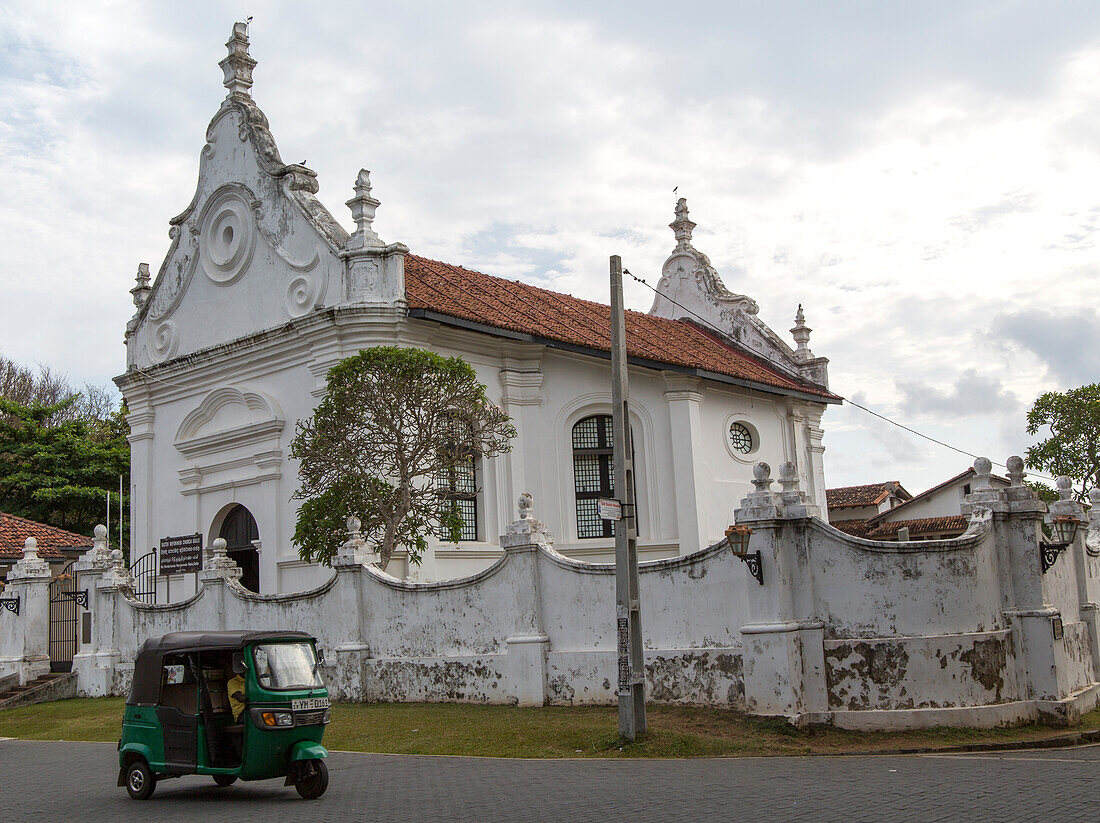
x=286 y=666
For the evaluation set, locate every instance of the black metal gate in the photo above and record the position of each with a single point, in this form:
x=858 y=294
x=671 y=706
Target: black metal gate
x=144 y=573
x=65 y=601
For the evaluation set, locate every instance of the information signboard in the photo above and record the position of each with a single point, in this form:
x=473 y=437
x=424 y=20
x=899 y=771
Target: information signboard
x=181 y=555
x=609 y=508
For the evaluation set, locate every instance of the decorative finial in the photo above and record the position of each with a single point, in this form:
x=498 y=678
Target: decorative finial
x=982 y=468
x=1065 y=487
x=363 y=208
x=762 y=477
x=142 y=289
x=1015 y=470
x=801 y=334
x=30 y=549
x=237 y=65
x=526 y=501
x=682 y=225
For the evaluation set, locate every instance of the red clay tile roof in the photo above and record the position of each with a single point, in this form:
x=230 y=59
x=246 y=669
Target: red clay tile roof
x=953 y=525
x=872 y=494
x=14 y=532
x=469 y=295
x=856 y=528
x=889 y=512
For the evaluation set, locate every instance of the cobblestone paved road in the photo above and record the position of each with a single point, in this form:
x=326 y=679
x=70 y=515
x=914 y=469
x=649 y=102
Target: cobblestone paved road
x=75 y=782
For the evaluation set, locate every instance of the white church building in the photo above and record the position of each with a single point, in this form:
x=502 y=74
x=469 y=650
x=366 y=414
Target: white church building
x=263 y=291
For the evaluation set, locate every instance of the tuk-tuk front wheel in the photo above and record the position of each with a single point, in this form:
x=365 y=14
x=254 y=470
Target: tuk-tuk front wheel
x=140 y=780
x=313 y=779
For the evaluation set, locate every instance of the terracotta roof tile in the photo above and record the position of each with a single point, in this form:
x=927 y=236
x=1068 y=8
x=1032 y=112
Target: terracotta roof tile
x=954 y=524
x=856 y=528
x=14 y=532
x=857 y=496
x=462 y=293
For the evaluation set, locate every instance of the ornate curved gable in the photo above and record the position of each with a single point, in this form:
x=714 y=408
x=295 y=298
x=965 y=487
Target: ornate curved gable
x=690 y=289
x=254 y=248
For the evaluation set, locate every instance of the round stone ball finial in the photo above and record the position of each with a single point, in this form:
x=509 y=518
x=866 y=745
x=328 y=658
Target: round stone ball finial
x=100 y=532
x=218 y=545
x=1094 y=497
x=524 y=505
x=1015 y=469
x=762 y=476
x=354 y=524
x=983 y=466
x=1065 y=487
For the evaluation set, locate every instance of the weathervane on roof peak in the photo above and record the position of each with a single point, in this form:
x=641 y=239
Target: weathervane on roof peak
x=682 y=225
x=238 y=64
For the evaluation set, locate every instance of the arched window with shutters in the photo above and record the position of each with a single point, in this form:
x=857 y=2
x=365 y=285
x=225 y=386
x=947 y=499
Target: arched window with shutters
x=593 y=473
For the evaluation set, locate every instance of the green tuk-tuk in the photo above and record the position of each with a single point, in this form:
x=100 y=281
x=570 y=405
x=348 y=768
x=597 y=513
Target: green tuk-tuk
x=231 y=704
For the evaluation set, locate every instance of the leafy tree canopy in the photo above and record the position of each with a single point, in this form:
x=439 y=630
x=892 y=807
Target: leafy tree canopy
x=56 y=469
x=1072 y=448
x=392 y=422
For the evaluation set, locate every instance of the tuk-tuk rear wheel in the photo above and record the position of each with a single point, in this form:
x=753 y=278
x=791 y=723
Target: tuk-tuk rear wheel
x=140 y=780
x=224 y=780
x=314 y=781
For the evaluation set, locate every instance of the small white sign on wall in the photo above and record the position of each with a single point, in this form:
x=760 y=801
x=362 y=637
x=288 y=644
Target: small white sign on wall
x=609 y=508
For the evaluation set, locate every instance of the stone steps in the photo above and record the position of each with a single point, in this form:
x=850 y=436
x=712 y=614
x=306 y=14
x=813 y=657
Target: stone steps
x=53 y=686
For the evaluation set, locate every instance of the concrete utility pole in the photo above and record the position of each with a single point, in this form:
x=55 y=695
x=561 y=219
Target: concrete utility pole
x=632 y=723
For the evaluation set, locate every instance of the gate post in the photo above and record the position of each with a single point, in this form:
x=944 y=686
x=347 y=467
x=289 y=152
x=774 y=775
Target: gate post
x=94 y=664
x=29 y=581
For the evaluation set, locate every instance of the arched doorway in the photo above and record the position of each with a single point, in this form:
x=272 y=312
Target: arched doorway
x=239 y=530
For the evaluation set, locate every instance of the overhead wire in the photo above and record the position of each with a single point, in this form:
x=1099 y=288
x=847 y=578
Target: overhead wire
x=880 y=416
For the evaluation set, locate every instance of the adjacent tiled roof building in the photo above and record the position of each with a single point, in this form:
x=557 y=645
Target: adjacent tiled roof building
x=856 y=497
x=14 y=532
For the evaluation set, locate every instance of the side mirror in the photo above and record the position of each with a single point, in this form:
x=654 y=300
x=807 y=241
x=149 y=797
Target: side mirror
x=321 y=656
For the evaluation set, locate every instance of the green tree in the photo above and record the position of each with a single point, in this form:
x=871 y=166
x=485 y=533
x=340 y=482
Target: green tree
x=392 y=423
x=56 y=469
x=1072 y=448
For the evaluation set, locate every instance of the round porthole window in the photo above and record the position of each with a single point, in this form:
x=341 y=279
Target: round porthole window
x=740 y=438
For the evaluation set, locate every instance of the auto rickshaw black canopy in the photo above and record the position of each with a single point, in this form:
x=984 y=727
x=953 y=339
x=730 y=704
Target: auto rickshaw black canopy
x=145 y=689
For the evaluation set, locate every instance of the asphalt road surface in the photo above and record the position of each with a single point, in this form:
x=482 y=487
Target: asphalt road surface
x=75 y=783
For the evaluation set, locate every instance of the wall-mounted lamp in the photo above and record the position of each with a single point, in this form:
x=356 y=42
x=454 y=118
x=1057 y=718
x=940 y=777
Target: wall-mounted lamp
x=1063 y=529
x=738 y=539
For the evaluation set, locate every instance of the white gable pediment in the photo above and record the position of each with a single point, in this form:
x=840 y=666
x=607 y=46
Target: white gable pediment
x=254 y=248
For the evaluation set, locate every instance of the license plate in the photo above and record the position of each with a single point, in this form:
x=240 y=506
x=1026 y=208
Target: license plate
x=304 y=704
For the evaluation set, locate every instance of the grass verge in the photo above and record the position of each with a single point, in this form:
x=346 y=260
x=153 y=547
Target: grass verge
x=548 y=731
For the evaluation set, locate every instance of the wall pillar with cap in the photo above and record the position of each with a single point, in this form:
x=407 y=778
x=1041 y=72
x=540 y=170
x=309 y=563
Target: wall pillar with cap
x=1044 y=592
x=783 y=644
x=25 y=637
x=220 y=568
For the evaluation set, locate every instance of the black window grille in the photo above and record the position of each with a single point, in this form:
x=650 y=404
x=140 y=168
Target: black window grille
x=593 y=473
x=457 y=487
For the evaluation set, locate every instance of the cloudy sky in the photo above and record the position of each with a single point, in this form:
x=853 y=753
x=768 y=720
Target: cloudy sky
x=923 y=177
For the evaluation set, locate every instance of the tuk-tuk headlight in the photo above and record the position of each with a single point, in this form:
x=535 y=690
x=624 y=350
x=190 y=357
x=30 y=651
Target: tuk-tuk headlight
x=272 y=719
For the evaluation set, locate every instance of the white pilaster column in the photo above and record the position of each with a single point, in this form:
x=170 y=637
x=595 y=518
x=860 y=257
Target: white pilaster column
x=521 y=398
x=140 y=418
x=683 y=397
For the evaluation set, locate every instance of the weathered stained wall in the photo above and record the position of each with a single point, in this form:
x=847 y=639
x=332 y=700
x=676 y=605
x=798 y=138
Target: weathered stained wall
x=534 y=627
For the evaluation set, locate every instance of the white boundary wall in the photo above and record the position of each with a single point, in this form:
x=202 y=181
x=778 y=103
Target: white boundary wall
x=858 y=633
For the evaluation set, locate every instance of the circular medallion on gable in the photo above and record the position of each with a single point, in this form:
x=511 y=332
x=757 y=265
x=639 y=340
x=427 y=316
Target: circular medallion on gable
x=227 y=237
x=165 y=341
x=301 y=296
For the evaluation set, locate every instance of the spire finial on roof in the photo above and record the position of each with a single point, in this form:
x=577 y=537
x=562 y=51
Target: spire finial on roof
x=682 y=225
x=142 y=289
x=801 y=334
x=363 y=208
x=238 y=64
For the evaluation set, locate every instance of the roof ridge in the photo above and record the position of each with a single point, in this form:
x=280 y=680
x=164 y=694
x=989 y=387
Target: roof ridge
x=555 y=315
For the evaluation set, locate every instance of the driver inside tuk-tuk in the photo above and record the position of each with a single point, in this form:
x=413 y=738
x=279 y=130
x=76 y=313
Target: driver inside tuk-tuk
x=235 y=686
